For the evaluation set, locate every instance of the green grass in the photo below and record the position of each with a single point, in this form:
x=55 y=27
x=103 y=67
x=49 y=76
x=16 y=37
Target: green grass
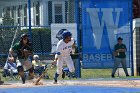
x=88 y=73
x=85 y=74
x=95 y=73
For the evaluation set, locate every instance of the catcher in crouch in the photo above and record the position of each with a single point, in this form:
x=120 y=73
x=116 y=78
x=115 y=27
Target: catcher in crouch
x=23 y=49
x=63 y=49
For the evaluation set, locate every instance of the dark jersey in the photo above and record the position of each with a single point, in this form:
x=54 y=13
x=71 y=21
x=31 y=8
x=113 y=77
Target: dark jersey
x=19 y=48
x=121 y=54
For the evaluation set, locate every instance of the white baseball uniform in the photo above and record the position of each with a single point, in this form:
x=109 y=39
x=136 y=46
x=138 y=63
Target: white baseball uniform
x=65 y=51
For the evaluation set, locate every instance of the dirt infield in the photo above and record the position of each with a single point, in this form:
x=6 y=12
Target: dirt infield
x=106 y=83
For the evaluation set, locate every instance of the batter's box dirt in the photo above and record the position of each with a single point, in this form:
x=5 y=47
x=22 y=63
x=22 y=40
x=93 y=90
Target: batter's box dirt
x=106 y=83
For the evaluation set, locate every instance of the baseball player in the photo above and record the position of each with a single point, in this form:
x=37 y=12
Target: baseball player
x=23 y=50
x=63 y=49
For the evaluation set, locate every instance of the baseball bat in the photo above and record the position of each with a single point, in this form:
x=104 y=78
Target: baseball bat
x=13 y=41
x=40 y=77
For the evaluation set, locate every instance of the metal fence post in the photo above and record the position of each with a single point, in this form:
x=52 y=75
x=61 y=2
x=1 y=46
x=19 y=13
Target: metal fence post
x=30 y=31
x=131 y=28
x=78 y=65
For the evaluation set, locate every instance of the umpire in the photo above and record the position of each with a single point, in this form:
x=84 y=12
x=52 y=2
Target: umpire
x=120 y=57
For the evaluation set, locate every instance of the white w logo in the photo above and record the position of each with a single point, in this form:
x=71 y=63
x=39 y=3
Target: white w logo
x=111 y=22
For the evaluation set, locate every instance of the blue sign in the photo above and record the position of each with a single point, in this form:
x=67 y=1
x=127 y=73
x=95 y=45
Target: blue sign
x=102 y=22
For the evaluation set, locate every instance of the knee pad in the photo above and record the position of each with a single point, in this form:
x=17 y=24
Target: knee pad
x=20 y=69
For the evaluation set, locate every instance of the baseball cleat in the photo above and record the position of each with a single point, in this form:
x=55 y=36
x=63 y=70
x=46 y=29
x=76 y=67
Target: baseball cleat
x=55 y=81
x=63 y=75
x=23 y=80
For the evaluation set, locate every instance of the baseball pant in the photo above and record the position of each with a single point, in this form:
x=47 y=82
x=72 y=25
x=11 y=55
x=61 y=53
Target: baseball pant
x=68 y=61
x=117 y=63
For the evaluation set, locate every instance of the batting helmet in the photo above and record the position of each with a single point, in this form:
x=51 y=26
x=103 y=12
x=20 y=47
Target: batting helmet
x=23 y=36
x=36 y=57
x=66 y=34
x=59 y=34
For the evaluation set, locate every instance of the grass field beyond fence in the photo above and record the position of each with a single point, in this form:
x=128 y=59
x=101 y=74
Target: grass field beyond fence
x=85 y=73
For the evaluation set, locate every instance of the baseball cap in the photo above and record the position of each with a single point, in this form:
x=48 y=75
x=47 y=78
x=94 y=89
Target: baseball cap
x=119 y=38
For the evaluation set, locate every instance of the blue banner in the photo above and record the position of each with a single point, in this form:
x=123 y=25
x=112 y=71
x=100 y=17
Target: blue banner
x=103 y=21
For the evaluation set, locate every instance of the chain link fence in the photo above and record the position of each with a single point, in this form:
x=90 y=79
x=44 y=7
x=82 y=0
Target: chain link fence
x=14 y=20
